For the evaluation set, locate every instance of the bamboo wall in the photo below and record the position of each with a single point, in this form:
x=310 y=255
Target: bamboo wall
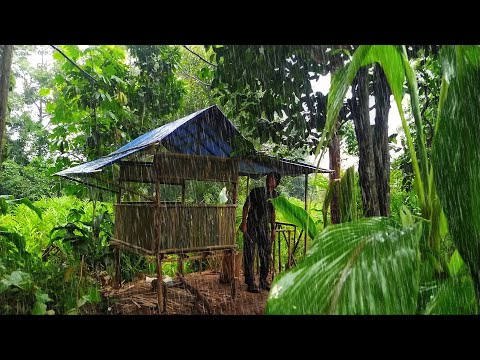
x=181 y=226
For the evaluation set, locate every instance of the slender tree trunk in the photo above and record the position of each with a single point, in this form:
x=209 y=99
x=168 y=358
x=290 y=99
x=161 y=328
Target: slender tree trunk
x=6 y=52
x=381 y=92
x=334 y=155
x=366 y=166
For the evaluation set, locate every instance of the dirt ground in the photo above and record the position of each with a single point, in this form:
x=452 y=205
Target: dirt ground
x=138 y=297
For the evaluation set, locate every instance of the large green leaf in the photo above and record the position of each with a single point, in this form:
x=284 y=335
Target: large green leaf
x=456 y=154
x=19 y=279
x=295 y=215
x=456 y=296
x=361 y=267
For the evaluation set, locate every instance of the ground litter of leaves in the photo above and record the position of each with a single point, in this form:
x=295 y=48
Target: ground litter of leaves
x=139 y=298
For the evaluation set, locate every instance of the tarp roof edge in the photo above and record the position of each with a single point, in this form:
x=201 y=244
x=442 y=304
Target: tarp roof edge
x=157 y=135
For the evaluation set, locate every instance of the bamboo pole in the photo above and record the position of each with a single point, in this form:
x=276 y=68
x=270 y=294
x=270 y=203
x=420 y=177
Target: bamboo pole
x=289 y=250
x=306 y=208
x=235 y=192
x=180 y=263
x=183 y=192
x=117 y=256
x=160 y=295
x=279 y=254
x=273 y=259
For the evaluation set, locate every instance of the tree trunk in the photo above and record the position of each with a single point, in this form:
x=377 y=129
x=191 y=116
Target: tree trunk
x=334 y=156
x=6 y=52
x=366 y=166
x=381 y=92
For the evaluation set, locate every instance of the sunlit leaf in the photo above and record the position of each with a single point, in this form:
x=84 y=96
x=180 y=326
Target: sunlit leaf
x=29 y=204
x=44 y=91
x=456 y=263
x=295 y=215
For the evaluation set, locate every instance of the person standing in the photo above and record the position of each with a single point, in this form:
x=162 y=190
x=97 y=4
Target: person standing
x=258 y=227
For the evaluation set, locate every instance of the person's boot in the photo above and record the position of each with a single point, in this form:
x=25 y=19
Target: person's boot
x=252 y=288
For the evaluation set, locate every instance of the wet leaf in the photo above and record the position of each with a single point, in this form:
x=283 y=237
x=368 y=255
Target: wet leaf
x=3 y=206
x=456 y=263
x=39 y=308
x=19 y=279
x=456 y=296
x=295 y=215
x=42 y=297
x=17 y=239
x=29 y=204
x=361 y=267
x=456 y=155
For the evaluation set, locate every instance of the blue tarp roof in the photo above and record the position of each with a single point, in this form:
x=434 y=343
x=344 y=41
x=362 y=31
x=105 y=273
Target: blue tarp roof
x=205 y=132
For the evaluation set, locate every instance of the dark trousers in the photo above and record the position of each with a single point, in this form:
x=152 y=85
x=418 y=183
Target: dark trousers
x=257 y=236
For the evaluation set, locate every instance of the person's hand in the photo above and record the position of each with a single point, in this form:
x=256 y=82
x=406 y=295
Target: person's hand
x=243 y=227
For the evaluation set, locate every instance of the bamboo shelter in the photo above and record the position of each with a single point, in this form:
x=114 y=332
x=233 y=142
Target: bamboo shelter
x=177 y=227
x=203 y=147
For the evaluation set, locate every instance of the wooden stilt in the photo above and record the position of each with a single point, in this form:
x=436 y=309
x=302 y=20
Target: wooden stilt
x=227 y=272
x=160 y=288
x=116 y=254
x=233 y=288
x=180 y=264
x=118 y=269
